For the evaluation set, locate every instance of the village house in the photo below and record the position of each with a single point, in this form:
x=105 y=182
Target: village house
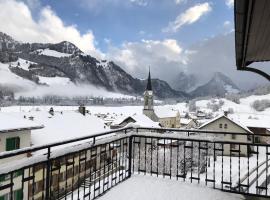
x=258 y=127
x=188 y=123
x=168 y=118
x=223 y=123
x=14 y=134
x=136 y=119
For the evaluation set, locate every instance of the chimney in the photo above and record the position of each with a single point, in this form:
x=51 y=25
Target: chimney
x=82 y=110
x=226 y=113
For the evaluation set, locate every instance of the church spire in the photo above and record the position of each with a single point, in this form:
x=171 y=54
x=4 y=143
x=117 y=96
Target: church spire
x=149 y=85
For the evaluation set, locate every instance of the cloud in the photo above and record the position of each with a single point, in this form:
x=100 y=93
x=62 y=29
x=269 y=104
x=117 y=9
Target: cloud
x=47 y=28
x=217 y=54
x=229 y=3
x=190 y=16
x=165 y=57
x=139 y=2
x=180 y=1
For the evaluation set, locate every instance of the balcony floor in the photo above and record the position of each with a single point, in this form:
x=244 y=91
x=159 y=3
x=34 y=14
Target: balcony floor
x=152 y=188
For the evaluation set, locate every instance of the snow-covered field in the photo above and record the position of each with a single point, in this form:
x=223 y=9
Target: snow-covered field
x=68 y=122
x=152 y=188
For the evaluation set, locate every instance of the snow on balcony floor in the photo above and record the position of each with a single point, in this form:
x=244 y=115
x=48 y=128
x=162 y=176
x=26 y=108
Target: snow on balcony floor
x=153 y=188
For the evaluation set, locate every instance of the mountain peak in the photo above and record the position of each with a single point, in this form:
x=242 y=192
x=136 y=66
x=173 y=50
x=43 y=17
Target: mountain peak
x=66 y=47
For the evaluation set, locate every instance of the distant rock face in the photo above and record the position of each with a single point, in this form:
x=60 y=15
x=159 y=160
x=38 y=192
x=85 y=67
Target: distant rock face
x=64 y=59
x=219 y=85
x=184 y=82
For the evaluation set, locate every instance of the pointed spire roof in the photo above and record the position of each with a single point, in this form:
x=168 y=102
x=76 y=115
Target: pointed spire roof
x=149 y=85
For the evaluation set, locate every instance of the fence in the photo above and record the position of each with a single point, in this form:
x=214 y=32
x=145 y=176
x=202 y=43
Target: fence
x=92 y=165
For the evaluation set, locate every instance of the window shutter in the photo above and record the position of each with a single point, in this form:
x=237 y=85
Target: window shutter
x=10 y=143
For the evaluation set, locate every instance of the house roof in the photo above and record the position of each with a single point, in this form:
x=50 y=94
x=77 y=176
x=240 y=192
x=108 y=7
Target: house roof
x=10 y=123
x=165 y=112
x=140 y=120
x=185 y=121
x=223 y=116
x=252 y=28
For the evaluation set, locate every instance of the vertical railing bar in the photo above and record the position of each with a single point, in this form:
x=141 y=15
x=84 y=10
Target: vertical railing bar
x=145 y=138
x=29 y=172
x=230 y=167
x=177 y=160
x=191 y=166
x=199 y=163
x=171 y=159
x=206 y=163
x=85 y=171
x=151 y=156
x=239 y=168
x=157 y=155
x=73 y=174
x=214 y=167
x=47 y=194
x=257 y=170
x=58 y=179
x=164 y=158
x=139 y=147
x=104 y=167
x=11 y=187
x=33 y=183
x=43 y=181
x=249 y=152
x=222 y=167
x=66 y=177
x=79 y=175
x=184 y=161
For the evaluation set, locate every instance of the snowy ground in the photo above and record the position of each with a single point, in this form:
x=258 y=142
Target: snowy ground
x=152 y=188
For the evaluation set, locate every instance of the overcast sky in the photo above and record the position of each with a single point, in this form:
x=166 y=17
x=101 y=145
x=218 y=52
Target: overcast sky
x=195 y=36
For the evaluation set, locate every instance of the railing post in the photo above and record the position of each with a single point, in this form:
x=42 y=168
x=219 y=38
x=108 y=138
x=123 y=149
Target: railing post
x=130 y=155
x=48 y=174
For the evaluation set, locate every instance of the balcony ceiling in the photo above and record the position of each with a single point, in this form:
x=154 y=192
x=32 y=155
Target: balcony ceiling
x=252 y=33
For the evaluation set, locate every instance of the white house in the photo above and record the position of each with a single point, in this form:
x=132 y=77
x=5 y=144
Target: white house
x=224 y=124
x=15 y=133
x=136 y=119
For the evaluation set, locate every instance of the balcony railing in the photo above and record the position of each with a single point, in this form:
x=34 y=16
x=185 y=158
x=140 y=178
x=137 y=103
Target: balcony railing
x=87 y=167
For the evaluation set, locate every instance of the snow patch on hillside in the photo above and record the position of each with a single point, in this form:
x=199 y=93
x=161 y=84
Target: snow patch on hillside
x=21 y=63
x=53 y=53
x=8 y=78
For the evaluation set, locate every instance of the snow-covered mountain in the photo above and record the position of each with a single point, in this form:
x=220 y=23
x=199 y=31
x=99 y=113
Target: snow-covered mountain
x=64 y=63
x=219 y=85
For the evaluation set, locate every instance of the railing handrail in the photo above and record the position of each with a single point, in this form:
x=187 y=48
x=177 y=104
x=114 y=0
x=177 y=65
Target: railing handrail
x=94 y=136
x=201 y=131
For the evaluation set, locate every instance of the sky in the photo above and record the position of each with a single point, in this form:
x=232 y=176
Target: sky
x=170 y=36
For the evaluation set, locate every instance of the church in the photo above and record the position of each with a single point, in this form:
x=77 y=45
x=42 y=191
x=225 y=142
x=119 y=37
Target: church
x=167 y=117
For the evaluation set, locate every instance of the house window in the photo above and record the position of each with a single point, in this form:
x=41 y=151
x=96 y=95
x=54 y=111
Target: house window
x=225 y=126
x=220 y=125
x=233 y=136
x=12 y=143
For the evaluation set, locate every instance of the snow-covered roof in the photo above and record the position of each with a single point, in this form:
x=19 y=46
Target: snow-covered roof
x=164 y=112
x=221 y=116
x=10 y=123
x=140 y=120
x=185 y=121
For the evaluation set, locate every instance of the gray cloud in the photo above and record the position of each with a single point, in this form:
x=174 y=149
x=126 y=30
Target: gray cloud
x=167 y=59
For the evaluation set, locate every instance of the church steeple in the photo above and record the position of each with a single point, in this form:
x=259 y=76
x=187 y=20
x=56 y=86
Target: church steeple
x=149 y=84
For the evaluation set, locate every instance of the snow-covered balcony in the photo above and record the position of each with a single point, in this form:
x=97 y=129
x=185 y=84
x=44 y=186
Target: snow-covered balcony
x=149 y=163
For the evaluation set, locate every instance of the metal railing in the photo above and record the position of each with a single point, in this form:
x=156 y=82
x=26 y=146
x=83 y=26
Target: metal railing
x=87 y=167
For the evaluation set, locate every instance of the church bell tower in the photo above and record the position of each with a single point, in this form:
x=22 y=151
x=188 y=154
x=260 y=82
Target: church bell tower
x=148 y=108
